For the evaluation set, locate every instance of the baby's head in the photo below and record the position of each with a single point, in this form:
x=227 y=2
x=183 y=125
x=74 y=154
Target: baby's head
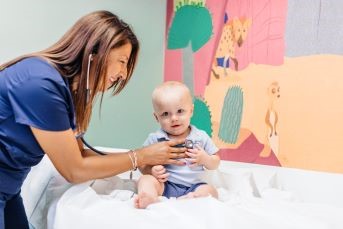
x=173 y=107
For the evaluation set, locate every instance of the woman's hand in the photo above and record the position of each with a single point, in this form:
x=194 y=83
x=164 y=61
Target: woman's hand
x=159 y=172
x=161 y=153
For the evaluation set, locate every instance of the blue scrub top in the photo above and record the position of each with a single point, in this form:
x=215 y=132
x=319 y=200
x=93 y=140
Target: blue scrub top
x=32 y=93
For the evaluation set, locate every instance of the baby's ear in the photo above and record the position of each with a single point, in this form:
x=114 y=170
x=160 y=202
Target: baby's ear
x=155 y=116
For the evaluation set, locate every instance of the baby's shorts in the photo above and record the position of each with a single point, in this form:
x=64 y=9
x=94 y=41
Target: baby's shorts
x=176 y=190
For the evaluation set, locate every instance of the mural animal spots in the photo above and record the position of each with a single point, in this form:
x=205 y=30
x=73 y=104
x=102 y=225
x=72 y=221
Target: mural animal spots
x=234 y=33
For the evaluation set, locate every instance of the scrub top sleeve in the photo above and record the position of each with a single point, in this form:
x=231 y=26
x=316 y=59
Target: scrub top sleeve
x=40 y=103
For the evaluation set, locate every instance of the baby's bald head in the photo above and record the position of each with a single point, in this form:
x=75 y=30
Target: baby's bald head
x=171 y=90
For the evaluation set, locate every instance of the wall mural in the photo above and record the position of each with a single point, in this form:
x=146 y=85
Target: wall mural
x=266 y=77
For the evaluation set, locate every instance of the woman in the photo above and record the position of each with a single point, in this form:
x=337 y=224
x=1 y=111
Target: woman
x=46 y=100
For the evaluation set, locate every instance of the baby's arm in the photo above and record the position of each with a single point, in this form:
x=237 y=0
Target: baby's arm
x=212 y=162
x=198 y=156
x=158 y=171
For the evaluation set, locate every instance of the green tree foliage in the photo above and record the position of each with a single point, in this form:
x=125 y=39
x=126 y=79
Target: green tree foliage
x=191 y=23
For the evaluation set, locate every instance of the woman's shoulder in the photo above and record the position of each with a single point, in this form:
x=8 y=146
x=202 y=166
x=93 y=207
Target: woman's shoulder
x=37 y=66
x=34 y=69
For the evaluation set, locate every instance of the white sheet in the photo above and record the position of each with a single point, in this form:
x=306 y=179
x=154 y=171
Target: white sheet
x=83 y=207
x=252 y=197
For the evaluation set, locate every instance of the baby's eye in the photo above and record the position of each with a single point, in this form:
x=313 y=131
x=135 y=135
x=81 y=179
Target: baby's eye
x=180 y=111
x=164 y=114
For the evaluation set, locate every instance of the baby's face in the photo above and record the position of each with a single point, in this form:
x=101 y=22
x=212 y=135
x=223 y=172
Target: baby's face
x=174 y=112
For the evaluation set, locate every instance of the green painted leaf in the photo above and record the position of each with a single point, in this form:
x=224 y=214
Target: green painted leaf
x=191 y=23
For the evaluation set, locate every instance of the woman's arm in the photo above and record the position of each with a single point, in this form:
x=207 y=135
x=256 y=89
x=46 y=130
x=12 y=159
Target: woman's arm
x=64 y=152
x=85 y=152
x=146 y=169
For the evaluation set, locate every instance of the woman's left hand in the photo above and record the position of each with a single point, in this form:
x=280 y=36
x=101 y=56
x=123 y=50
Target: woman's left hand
x=161 y=153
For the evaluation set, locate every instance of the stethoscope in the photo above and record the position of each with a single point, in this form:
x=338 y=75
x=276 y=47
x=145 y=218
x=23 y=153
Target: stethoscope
x=88 y=91
x=80 y=136
x=188 y=143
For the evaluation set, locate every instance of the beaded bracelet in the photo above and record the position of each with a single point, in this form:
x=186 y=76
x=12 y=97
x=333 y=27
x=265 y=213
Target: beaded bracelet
x=133 y=157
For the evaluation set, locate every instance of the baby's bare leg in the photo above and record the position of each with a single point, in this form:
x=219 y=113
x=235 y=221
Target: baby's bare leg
x=149 y=188
x=201 y=191
x=205 y=190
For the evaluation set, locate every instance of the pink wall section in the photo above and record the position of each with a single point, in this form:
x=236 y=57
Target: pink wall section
x=172 y=58
x=264 y=43
x=202 y=58
x=310 y=87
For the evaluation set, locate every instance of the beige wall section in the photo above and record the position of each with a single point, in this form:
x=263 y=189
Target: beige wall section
x=310 y=108
x=126 y=120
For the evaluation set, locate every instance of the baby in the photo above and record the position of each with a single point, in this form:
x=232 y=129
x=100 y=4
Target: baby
x=173 y=109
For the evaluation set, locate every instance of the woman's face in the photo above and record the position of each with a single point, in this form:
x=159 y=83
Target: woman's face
x=117 y=64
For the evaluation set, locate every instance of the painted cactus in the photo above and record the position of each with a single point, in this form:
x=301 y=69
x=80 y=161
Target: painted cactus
x=231 y=115
x=202 y=116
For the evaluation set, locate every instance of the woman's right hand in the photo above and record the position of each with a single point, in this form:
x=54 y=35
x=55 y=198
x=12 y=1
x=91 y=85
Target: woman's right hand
x=161 y=153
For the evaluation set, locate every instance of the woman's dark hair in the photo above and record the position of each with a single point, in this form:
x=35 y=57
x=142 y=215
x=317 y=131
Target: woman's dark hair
x=96 y=33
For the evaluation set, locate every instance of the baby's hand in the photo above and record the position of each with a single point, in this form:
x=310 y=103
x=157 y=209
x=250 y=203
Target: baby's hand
x=197 y=156
x=159 y=172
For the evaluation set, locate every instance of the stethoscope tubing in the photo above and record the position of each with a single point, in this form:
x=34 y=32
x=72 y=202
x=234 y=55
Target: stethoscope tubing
x=91 y=147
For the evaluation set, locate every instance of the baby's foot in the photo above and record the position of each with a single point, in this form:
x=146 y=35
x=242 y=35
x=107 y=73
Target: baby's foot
x=142 y=200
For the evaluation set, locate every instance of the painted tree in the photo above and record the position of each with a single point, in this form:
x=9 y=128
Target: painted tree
x=191 y=28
